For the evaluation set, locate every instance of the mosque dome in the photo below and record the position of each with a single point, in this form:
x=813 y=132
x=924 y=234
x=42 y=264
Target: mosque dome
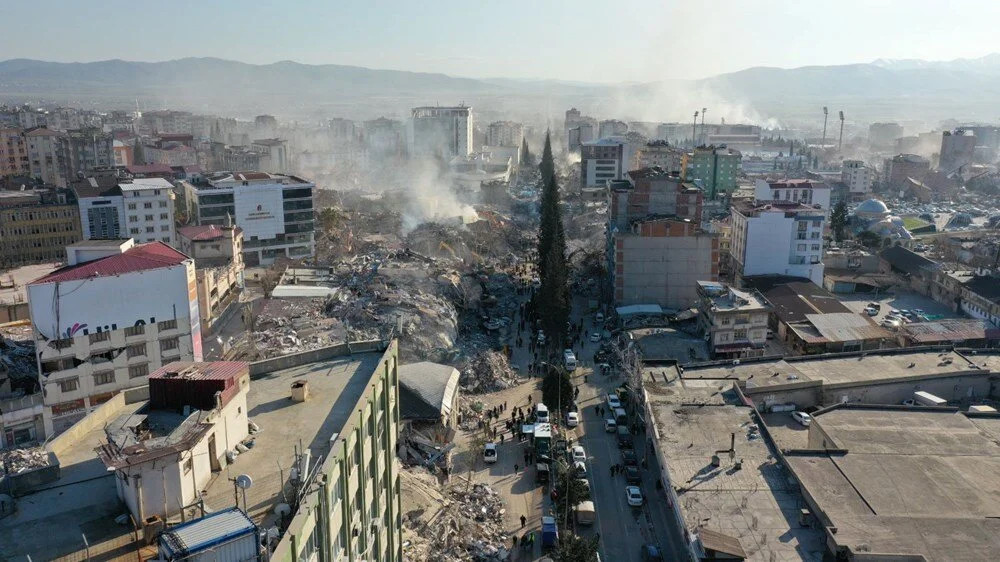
x=872 y=207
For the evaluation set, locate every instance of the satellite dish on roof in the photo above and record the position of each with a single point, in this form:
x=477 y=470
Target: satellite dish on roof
x=243 y=481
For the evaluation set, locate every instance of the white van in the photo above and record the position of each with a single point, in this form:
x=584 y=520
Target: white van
x=541 y=413
x=569 y=360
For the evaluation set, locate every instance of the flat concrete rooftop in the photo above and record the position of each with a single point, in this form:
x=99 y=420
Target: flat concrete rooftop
x=835 y=369
x=335 y=385
x=21 y=276
x=757 y=503
x=912 y=481
x=83 y=501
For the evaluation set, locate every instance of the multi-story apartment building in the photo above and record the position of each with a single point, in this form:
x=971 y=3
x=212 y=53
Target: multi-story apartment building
x=98 y=331
x=659 y=154
x=384 y=136
x=602 y=160
x=808 y=192
x=218 y=262
x=733 y=321
x=149 y=210
x=275 y=212
x=884 y=135
x=903 y=166
x=167 y=121
x=47 y=156
x=37 y=225
x=611 y=128
x=273 y=154
x=14 y=159
x=102 y=207
x=504 y=133
x=656 y=251
x=85 y=150
x=716 y=168
x=779 y=237
x=858 y=179
x=957 y=150
x=442 y=131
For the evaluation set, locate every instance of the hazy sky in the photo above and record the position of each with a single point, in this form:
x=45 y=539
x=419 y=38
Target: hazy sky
x=591 y=40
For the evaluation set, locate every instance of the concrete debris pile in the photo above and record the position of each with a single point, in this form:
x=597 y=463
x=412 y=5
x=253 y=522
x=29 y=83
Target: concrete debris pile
x=289 y=326
x=17 y=359
x=488 y=371
x=470 y=527
x=441 y=241
x=21 y=460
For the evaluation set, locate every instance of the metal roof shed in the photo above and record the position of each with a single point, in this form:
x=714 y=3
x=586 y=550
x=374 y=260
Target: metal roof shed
x=224 y=535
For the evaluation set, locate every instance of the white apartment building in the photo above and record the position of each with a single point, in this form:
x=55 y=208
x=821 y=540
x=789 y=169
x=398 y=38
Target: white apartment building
x=275 y=212
x=504 y=133
x=441 y=131
x=778 y=237
x=46 y=156
x=114 y=314
x=807 y=192
x=602 y=160
x=149 y=210
x=857 y=177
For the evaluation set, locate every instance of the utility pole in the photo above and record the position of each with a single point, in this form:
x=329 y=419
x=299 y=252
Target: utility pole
x=825 y=115
x=704 y=110
x=840 y=145
x=694 y=130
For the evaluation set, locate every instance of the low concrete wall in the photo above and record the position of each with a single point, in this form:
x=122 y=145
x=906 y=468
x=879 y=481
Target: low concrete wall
x=258 y=368
x=23 y=482
x=97 y=418
x=137 y=394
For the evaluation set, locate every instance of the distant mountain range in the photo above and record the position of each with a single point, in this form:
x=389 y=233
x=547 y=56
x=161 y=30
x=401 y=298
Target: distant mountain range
x=882 y=89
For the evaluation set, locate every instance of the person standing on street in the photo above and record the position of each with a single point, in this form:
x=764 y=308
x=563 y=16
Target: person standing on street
x=523 y=521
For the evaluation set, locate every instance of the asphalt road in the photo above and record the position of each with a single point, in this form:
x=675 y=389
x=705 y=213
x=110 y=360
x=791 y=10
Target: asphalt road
x=623 y=529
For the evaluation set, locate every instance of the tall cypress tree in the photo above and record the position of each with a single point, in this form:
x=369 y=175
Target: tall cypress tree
x=553 y=296
x=138 y=156
x=527 y=160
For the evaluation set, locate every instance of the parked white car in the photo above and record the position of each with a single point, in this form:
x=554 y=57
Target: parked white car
x=572 y=419
x=613 y=401
x=610 y=425
x=490 y=453
x=634 y=496
x=802 y=417
x=579 y=454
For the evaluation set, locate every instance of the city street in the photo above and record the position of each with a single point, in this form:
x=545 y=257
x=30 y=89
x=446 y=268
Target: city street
x=623 y=529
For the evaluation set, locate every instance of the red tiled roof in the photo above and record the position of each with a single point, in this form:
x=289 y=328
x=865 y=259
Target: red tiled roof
x=201 y=233
x=154 y=255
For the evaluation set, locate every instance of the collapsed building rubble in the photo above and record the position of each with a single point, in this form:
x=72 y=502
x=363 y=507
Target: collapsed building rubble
x=17 y=362
x=488 y=371
x=467 y=525
x=14 y=461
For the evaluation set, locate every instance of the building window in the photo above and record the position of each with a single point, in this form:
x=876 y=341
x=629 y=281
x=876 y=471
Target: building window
x=107 y=377
x=131 y=206
x=740 y=334
x=63 y=343
x=137 y=350
x=147 y=205
x=164 y=216
x=149 y=217
x=815 y=247
x=803 y=225
x=150 y=229
x=168 y=344
x=163 y=204
x=69 y=385
x=135 y=330
x=138 y=371
x=814 y=235
x=99 y=337
x=817 y=223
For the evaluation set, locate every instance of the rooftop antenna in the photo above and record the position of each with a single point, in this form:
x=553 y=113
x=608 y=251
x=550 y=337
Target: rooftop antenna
x=242 y=482
x=826 y=114
x=840 y=145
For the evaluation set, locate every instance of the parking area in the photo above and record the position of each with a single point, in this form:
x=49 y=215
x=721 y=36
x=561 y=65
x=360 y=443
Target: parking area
x=899 y=300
